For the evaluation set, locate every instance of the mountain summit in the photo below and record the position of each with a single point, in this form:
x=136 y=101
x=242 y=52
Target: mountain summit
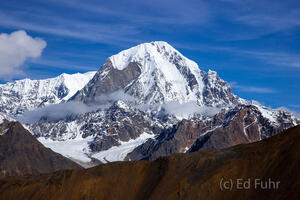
x=157 y=73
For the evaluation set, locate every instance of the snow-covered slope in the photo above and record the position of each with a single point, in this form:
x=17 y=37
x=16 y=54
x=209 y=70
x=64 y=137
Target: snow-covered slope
x=3 y=117
x=95 y=135
x=163 y=73
x=21 y=95
x=157 y=73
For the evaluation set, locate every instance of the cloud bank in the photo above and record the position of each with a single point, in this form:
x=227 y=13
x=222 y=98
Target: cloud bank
x=15 y=49
x=252 y=89
x=56 y=112
x=114 y=96
x=189 y=109
x=68 y=110
x=179 y=110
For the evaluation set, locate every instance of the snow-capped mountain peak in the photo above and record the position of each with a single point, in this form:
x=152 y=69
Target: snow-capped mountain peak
x=157 y=53
x=21 y=95
x=157 y=73
x=75 y=82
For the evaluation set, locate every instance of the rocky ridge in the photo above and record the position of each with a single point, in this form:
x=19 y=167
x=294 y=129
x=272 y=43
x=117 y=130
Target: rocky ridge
x=22 y=95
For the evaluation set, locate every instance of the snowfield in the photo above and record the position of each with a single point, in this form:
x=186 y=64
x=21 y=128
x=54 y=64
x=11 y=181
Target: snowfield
x=118 y=153
x=78 y=149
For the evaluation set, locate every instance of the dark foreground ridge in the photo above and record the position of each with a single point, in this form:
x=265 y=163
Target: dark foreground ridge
x=21 y=153
x=181 y=176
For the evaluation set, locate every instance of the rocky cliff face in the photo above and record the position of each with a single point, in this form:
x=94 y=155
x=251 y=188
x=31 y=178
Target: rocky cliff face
x=107 y=80
x=239 y=125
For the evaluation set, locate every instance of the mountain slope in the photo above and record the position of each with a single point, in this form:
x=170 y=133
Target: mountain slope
x=21 y=153
x=105 y=135
x=239 y=125
x=124 y=132
x=182 y=176
x=156 y=73
x=22 y=95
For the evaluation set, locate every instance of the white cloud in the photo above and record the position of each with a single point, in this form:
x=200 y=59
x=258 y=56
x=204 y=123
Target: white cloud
x=15 y=49
x=297 y=106
x=114 y=96
x=252 y=89
x=55 y=112
x=61 y=111
x=189 y=109
x=179 y=110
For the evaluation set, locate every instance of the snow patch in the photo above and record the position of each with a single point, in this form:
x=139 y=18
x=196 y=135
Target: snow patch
x=1 y=119
x=118 y=153
x=211 y=130
x=3 y=132
x=186 y=149
x=245 y=128
x=5 y=117
x=268 y=113
x=73 y=148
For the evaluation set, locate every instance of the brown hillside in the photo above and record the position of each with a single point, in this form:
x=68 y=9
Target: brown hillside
x=21 y=153
x=183 y=176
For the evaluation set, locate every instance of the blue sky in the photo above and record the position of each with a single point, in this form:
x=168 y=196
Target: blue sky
x=254 y=45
